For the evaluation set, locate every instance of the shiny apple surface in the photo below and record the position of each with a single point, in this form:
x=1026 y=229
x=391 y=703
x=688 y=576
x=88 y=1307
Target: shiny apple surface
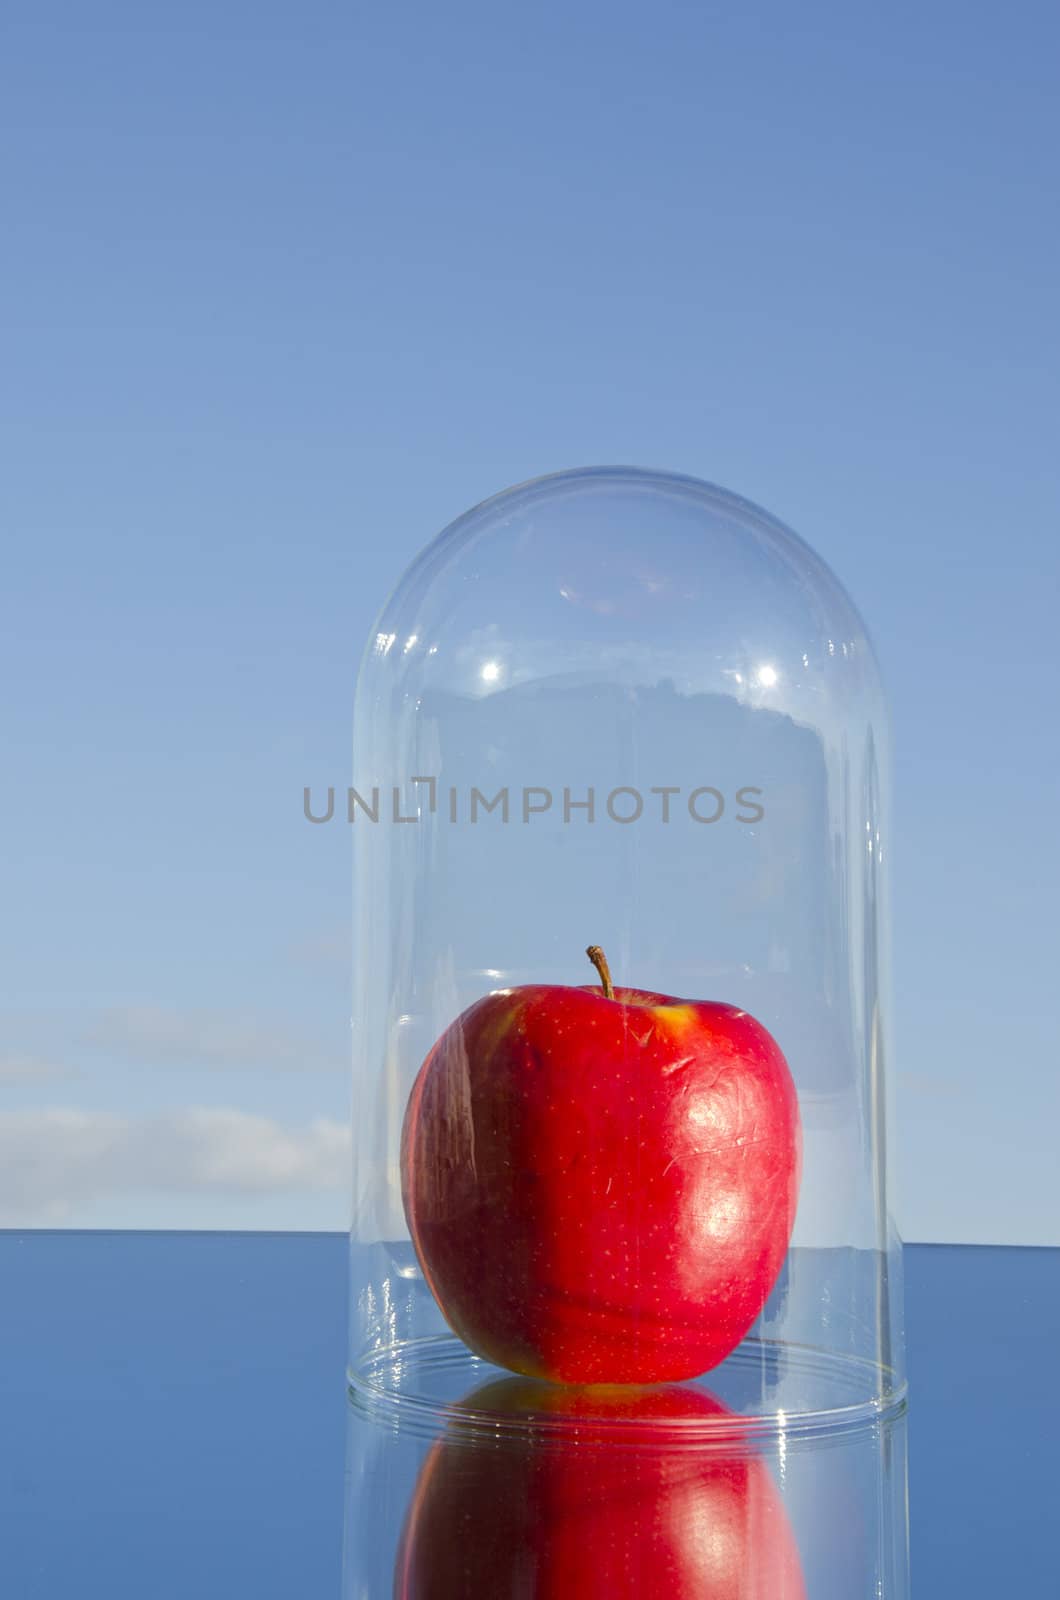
x=601 y=1187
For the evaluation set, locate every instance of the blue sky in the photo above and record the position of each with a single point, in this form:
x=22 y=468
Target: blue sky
x=285 y=291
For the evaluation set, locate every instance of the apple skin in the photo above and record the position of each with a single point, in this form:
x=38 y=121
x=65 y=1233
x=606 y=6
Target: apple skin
x=601 y=1189
x=595 y=1510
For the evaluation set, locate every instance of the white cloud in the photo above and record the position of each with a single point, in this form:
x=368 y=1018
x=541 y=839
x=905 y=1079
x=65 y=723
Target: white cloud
x=17 y=1067
x=56 y=1160
x=332 y=948
x=159 y=1035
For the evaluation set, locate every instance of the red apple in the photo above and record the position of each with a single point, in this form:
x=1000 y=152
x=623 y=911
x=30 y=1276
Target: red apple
x=601 y=1183
x=605 y=1502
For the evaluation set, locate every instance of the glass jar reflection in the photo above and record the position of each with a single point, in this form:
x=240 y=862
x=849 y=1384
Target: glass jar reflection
x=595 y=1494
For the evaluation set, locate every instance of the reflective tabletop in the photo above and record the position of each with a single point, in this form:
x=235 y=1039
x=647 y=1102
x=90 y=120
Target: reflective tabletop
x=174 y=1418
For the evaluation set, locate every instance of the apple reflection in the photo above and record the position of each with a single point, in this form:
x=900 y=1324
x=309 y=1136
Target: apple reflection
x=585 y=1494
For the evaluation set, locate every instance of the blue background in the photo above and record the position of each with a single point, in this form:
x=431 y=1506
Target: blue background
x=285 y=289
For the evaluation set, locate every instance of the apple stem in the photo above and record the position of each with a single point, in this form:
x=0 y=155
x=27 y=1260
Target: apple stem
x=599 y=961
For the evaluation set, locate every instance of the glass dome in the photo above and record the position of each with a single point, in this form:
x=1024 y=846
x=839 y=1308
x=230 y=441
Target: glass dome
x=628 y=711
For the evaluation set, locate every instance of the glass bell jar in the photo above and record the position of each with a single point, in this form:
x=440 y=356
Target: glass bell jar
x=619 y=815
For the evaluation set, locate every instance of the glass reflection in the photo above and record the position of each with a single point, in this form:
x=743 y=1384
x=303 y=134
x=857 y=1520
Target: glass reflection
x=532 y=1491
x=607 y=1503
